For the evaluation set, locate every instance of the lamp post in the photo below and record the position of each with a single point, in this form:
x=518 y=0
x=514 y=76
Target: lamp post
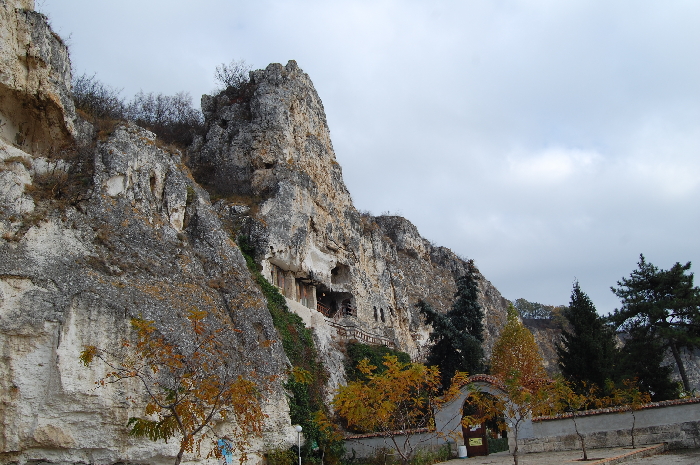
x=298 y=428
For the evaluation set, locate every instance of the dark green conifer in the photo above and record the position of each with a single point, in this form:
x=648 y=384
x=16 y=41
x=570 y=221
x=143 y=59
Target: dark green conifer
x=641 y=358
x=666 y=304
x=457 y=335
x=587 y=352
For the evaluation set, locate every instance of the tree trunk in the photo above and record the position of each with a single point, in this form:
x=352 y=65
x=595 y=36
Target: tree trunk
x=681 y=368
x=515 y=449
x=178 y=459
x=581 y=438
x=634 y=420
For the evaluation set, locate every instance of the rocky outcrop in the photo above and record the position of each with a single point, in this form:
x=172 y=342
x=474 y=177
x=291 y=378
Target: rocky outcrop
x=36 y=108
x=268 y=159
x=94 y=232
x=547 y=335
x=143 y=241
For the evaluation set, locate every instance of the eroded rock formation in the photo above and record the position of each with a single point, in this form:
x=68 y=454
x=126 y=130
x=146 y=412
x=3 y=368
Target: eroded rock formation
x=267 y=156
x=36 y=107
x=143 y=242
x=98 y=228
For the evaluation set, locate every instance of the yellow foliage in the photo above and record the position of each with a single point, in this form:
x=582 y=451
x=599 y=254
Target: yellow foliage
x=516 y=354
x=396 y=401
x=88 y=354
x=302 y=376
x=188 y=390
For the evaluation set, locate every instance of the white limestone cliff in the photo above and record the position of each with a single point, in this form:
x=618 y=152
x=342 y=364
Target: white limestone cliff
x=97 y=230
x=268 y=147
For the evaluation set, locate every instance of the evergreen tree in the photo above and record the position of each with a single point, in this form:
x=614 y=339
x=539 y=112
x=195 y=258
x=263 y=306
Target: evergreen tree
x=457 y=335
x=665 y=304
x=587 y=353
x=466 y=311
x=641 y=358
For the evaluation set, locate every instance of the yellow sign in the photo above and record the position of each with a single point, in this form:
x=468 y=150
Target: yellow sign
x=475 y=442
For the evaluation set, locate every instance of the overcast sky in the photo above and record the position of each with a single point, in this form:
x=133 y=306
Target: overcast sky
x=547 y=140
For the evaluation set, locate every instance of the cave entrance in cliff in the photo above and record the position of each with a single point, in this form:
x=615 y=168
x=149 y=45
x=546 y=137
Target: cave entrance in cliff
x=334 y=304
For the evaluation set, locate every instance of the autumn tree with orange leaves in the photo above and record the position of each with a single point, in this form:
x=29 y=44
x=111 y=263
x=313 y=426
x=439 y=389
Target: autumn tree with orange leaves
x=524 y=390
x=632 y=398
x=395 y=402
x=515 y=353
x=189 y=386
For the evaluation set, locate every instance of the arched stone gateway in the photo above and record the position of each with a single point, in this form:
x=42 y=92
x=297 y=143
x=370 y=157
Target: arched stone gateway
x=448 y=420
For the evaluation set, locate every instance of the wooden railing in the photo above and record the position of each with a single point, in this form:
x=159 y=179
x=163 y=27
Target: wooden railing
x=326 y=311
x=323 y=309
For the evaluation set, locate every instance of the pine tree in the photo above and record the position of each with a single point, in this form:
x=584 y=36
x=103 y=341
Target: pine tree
x=666 y=304
x=457 y=336
x=466 y=311
x=641 y=358
x=587 y=353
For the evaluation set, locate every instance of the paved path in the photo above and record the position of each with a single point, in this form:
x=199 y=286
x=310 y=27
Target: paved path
x=595 y=457
x=676 y=457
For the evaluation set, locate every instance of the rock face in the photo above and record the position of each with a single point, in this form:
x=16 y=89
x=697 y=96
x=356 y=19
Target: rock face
x=36 y=107
x=96 y=229
x=547 y=334
x=143 y=241
x=268 y=159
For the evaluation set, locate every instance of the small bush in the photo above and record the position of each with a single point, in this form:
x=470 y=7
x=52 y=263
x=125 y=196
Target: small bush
x=497 y=445
x=68 y=180
x=428 y=456
x=375 y=354
x=281 y=457
x=97 y=99
x=235 y=74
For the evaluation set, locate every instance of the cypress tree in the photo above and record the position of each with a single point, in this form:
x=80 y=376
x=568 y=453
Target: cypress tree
x=587 y=353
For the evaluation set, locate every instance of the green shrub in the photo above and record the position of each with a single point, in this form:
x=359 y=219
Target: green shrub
x=497 y=445
x=281 y=457
x=429 y=456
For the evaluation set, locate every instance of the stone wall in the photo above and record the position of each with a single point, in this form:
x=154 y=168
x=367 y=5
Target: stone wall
x=674 y=422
